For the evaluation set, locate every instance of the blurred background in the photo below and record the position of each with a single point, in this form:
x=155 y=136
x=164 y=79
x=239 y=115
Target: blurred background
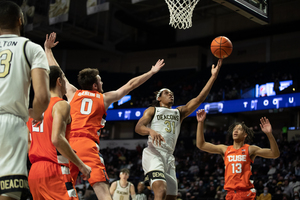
x=124 y=38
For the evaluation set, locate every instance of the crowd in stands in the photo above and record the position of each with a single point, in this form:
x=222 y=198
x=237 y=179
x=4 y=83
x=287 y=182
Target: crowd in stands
x=201 y=175
x=234 y=80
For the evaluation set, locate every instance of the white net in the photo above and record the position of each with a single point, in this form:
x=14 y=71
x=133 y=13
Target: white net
x=181 y=12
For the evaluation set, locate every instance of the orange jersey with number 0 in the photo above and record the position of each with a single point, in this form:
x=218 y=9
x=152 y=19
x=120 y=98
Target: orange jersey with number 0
x=238 y=168
x=42 y=148
x=88 y=114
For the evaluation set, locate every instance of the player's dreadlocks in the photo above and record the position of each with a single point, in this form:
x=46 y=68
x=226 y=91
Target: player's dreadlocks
x=250 y=132
x=155 y=103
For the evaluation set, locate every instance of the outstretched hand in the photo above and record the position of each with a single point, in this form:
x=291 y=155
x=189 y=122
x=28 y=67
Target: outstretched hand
x=201 y=115
x=265 y=125
x=50 y=41
x=156 y=138
x=159 y=64
x=215 y=69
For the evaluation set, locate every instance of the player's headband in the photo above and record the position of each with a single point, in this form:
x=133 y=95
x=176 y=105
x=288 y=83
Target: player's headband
x=160 y=91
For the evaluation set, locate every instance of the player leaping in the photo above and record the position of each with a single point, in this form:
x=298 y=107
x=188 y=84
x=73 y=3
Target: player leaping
x=88 y=111
x=163 y=130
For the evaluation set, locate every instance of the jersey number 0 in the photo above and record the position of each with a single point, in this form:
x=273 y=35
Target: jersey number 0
x=86 y=106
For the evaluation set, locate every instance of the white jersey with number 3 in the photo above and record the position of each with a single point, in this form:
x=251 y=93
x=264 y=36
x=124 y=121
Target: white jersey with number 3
x=167 y=123
x=18 y=56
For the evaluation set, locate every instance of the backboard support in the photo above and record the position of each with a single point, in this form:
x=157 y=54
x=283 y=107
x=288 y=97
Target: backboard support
x=255 y=10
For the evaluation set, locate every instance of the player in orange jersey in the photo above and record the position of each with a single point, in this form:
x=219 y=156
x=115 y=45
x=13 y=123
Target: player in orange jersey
x=50 y=151
x=239 y=156
x=88 y=111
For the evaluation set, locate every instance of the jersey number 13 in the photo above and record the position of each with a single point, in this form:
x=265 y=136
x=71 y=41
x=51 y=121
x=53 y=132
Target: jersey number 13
x=236 y=168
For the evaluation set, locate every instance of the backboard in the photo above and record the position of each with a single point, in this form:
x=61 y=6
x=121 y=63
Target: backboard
x=255 y=10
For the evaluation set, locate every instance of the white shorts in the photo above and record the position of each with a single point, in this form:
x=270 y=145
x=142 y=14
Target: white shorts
x=13 y=155
x=158 y=165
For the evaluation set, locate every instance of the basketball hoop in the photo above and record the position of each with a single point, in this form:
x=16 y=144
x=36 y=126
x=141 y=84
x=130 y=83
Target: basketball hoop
x=181 y=12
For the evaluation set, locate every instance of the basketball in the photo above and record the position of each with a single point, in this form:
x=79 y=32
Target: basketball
x=221 y=47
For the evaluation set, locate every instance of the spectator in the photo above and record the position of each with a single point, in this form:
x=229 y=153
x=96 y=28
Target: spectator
x=296 y=196
x=265 y=195
x=272 y=170
x=219 y=196
x=211 y=192
x=140 y=191
x=194 y=169
x=281 y=166
x=294 y=183
x=285 y=197
x=221 y=192
x=269 y=181
x=287 y=189
x=259 y=187
x=271 y=186
x=278 y=194
x=297 y=171
x=196 y=193
x=202 y=189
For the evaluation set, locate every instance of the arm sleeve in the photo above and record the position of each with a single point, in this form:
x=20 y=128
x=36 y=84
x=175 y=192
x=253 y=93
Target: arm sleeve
x=36 y=56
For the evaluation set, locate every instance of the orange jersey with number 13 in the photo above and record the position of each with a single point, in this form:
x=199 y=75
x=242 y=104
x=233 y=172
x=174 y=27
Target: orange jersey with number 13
x=237 y=168
x=88 y=114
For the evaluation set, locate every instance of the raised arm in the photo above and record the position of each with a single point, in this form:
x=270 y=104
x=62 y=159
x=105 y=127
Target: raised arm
x=61 y=117
x=194 y=103
x=200 y=141
x=142 y=129
x=113 y=96
x=273 y=151
x=49 y=44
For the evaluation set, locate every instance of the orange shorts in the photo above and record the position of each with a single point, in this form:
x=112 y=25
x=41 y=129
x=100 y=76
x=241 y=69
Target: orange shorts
x=49 y=180
x=88 y=151
x=241 y=195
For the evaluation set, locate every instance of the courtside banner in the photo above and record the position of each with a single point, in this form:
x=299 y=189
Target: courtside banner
x=59 y=11
x=230 y=106
x=95 y=6
x=136 y=1
x=28 y=10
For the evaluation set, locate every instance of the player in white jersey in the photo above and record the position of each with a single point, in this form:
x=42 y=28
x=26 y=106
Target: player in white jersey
x=162 y=124
x=20 y=61
x=122 y=189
